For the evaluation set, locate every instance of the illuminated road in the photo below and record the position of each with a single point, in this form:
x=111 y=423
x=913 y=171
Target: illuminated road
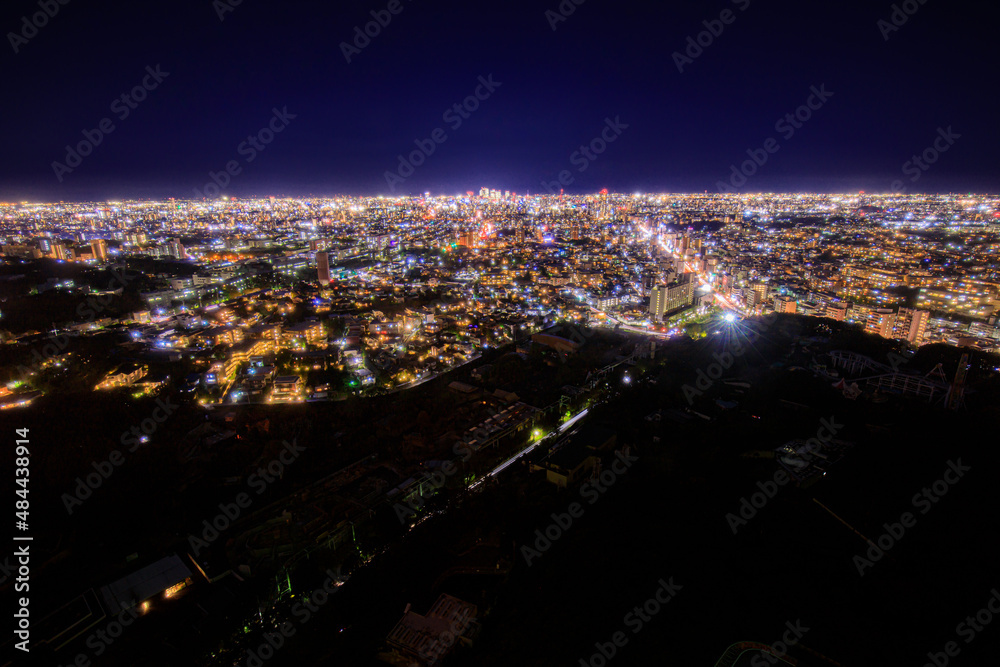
x=723 y=301
x=503 y=466
x=704 y=283
x=630 y=327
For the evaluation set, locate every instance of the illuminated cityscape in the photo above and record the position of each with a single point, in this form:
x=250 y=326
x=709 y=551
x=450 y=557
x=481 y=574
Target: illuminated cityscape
x=477 y=335
x=381 y=293
x=537 y=312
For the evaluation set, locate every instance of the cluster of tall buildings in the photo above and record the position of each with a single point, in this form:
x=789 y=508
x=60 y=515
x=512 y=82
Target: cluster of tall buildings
x=905 y=324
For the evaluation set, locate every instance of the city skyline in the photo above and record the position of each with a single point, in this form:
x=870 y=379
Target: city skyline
x=512 y=195
x=399 y=375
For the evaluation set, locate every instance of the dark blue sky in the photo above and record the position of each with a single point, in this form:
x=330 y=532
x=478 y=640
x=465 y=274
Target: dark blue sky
x=606 y=60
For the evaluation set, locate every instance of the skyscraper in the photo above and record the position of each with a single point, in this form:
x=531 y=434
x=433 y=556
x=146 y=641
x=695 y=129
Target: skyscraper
x=658 y=302
x=680 y=293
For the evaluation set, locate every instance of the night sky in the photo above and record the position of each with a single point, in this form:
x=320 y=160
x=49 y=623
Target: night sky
x=606 y=60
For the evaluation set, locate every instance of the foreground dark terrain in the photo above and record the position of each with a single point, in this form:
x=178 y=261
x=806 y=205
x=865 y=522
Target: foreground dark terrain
x=666 y=518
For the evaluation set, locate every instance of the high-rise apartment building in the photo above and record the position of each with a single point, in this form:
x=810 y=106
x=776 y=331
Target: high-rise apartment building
x=665 y=298
x=911 y=325
x=176 y=248
x=323 y=267
x=657 y=303
x=99 y=248
x=881 y=322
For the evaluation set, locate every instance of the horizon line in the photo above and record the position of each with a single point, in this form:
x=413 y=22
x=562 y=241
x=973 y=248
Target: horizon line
x=727 y=195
